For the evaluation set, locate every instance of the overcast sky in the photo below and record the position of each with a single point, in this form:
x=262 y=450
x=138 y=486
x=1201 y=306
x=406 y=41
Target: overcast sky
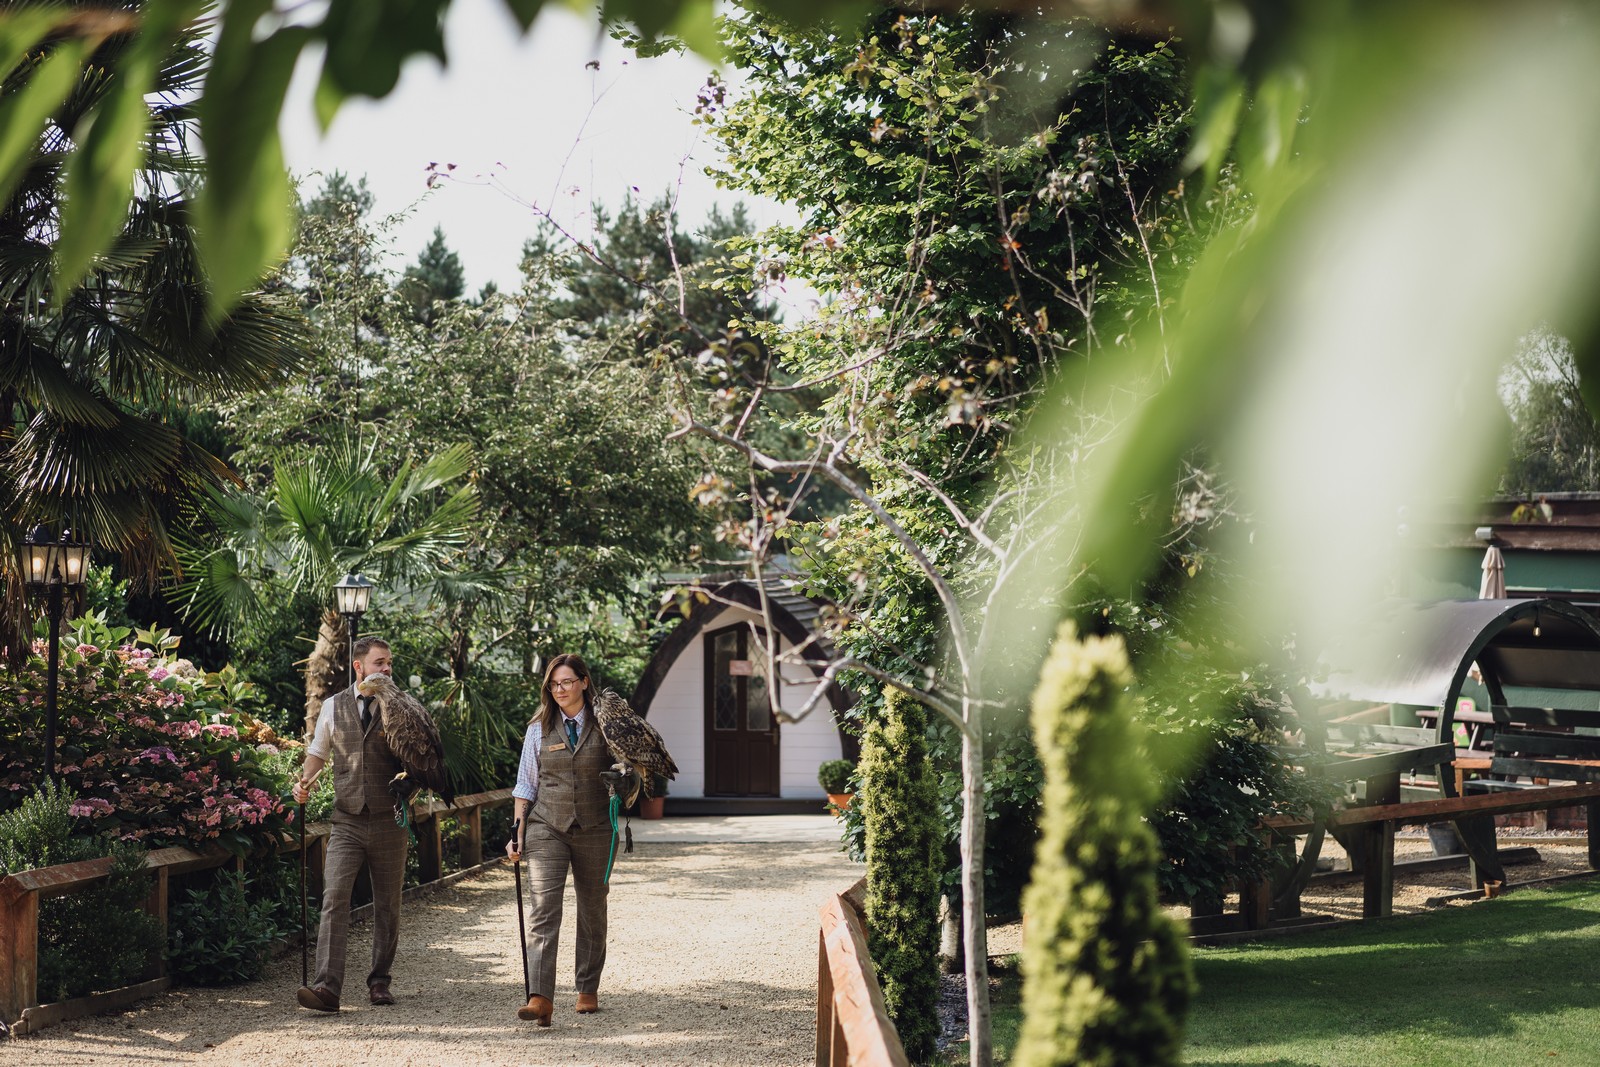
x=559 y=118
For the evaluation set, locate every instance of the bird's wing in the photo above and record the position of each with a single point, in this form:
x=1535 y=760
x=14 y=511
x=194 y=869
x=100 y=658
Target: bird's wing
x=414 y=739
x=633 y=738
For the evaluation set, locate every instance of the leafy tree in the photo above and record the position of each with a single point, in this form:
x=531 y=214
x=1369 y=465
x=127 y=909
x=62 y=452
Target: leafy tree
x=1106 y=977
x=436 y=276
x=580 y=499
x=1555 y=443
x=339 y=206
x=100 y=360
x=648 y=281
x=976 y=235
x=325 y=516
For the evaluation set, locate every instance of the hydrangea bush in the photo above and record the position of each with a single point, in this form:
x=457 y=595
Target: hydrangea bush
x=158 y=752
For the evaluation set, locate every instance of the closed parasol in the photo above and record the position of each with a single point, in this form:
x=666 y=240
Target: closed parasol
x=1493 y=586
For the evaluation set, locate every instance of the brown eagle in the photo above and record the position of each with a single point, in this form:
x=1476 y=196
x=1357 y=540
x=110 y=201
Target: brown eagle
x=414 y=740
x=636 y=744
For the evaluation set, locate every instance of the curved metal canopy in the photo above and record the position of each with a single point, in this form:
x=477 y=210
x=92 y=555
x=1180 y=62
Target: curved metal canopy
x=1420 y=653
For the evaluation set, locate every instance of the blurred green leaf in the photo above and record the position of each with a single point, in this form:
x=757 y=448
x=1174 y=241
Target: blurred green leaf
x=368 y=43
x=1218 y=99
x=525 y=11
x=1266 y=134
x=99 y=177
x=22 y=114
x=244 y=209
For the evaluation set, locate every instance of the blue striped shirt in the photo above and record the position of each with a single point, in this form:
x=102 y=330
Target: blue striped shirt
x=527 y=787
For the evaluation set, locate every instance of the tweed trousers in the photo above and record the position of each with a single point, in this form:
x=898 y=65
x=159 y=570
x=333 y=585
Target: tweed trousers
x=374 y=839
x=550 y=854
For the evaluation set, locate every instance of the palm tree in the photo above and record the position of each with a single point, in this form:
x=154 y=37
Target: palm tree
x=86 y=373
x=324 y=514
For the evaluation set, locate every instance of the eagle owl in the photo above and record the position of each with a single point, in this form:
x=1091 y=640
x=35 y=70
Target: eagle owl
x=412 y=737
x=636 y=744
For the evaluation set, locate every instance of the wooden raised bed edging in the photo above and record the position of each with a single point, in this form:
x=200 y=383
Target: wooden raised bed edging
x=853 y=1027
x=20 y=894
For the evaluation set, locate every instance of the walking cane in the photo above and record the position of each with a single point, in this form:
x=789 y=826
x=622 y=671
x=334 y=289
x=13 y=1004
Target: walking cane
x=522 y=932
x=305 y=976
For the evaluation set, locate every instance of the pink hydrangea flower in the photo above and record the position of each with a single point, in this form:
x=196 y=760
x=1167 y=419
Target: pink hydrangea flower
x=91 y=807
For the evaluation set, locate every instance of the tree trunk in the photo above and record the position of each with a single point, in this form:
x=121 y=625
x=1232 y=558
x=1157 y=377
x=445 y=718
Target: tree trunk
x=459 y=649
x=328 y=667
x=976 y=941
x=950 y=956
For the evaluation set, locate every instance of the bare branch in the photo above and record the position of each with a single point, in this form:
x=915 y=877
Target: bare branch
x=941 y=587
x=973 y=528
x=926 y=697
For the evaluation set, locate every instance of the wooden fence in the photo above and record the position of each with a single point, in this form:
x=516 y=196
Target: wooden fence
x=21 y=893
x=853 y=1028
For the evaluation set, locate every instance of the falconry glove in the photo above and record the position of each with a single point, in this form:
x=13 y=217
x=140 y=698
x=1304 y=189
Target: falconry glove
x=620 y=783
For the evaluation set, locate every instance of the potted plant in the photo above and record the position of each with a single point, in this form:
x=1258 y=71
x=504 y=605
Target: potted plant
x=654 y=806
x=834 y=776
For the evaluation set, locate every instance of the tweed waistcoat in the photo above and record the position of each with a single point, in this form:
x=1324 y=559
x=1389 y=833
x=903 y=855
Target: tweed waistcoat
x=362 y=763
x=571 y=794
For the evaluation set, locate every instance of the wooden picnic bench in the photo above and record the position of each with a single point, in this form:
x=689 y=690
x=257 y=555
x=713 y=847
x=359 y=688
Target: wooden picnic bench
x=1370 y=760
x=1531 y=748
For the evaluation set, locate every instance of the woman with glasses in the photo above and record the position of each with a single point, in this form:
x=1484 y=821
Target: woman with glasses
x=560 y=801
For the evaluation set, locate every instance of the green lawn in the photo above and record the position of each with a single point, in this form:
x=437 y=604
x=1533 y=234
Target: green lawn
x=1503 y=982
x=1510 y=981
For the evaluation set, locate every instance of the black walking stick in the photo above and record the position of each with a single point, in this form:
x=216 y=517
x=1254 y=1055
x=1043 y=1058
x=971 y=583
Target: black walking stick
x=305 y=977
x=522 y=932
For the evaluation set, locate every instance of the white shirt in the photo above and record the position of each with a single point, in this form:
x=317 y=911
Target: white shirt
x=321 y=745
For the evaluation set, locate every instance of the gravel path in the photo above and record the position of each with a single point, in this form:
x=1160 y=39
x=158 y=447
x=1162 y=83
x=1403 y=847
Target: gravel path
x=712 y=960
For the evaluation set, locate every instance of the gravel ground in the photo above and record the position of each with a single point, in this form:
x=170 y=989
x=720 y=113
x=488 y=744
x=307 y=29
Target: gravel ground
x=712 y=960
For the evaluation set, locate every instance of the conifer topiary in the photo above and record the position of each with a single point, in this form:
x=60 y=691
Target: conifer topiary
x=1106 y=977
x=899 y=800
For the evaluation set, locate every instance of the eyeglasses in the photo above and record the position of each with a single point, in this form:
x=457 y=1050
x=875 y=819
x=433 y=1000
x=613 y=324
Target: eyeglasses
x=566 y=683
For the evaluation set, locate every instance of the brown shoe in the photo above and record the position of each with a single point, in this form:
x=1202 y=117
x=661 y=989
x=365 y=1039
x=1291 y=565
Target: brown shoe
x=379 y=993
x=588 y=1003
x=317 y=998
x=537 y=1010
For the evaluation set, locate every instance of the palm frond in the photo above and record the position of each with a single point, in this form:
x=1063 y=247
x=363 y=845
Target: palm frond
x=36 y=375
x=215 y=590
x=55 y=458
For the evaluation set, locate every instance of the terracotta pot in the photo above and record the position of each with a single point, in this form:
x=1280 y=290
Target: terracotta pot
x=837 y=802
x=652 y=807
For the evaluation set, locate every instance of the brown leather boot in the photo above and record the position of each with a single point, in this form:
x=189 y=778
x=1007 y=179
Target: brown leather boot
x=537 y=1010
x=317 y=998
x=588 y=1003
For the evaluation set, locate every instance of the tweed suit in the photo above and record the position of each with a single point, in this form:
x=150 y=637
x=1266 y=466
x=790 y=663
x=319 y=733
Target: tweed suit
x=364 y=831
x=569 y=828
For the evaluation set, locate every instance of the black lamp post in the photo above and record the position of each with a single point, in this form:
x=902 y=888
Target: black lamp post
x=51 y=567
x=351 y=598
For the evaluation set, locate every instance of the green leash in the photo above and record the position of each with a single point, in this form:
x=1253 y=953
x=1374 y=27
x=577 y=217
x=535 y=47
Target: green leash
x=403 y=819
x=614 y=807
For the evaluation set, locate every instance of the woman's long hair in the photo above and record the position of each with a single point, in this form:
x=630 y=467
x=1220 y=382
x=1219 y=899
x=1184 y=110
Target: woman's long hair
x=549 y=711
